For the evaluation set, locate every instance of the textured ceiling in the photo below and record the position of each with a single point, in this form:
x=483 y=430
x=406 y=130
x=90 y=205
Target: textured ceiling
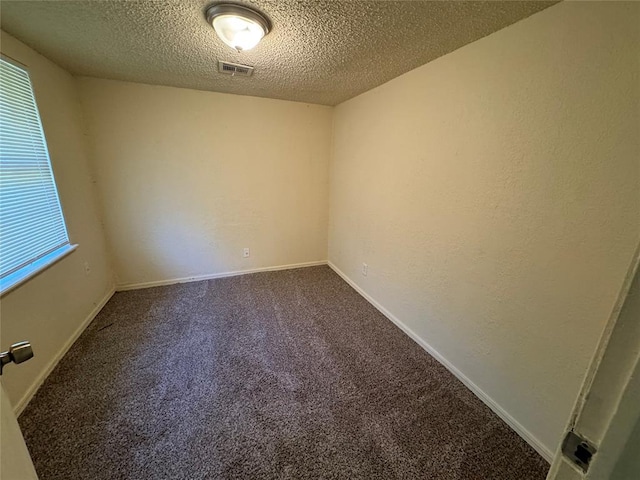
x=318 y=51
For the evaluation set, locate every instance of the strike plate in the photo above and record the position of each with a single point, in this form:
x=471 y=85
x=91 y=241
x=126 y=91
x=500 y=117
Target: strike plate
x=578 y=450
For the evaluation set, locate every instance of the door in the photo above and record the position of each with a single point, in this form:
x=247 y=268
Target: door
x=602 y=440
x=15 y=462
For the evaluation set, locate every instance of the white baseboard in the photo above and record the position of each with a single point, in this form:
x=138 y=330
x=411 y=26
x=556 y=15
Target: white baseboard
x=26 y=398
x=197 y=278
x=526 y=435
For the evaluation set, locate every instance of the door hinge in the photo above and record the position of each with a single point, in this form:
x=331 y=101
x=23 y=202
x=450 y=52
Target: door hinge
x=578 y=450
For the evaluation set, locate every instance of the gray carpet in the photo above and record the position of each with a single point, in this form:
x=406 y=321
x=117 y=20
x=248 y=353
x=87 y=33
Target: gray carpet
x=281 y=375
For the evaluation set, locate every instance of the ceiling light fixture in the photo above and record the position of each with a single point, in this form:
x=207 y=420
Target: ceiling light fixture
x=240 y=27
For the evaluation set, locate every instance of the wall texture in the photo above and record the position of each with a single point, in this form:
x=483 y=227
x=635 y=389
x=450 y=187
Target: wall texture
x=187 y=179
x=51 y=308
x=495 y=195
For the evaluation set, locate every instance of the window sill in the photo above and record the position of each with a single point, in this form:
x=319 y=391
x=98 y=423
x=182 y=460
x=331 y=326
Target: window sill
x=16 y=279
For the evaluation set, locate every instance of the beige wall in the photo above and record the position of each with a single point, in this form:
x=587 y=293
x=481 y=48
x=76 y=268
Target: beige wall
x=49 y=309
x=495 y=195
x=187 y=179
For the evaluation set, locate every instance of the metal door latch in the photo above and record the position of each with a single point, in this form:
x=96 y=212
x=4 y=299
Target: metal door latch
x=18 y=353
x=578 y=450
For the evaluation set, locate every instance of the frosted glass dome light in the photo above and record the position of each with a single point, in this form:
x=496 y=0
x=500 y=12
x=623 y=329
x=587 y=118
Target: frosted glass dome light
x=239 y=27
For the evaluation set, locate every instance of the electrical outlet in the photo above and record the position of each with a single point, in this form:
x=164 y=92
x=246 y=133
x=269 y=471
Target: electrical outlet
x=246 y=253
x=87 y=268
x=365 y=269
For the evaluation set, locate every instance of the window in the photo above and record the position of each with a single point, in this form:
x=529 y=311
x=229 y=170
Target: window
x=33 y=234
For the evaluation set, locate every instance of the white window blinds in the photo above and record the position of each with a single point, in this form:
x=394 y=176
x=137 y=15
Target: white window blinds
x=31 y=223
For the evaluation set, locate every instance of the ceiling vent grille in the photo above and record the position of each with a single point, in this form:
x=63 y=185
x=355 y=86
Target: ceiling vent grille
x=234 y=69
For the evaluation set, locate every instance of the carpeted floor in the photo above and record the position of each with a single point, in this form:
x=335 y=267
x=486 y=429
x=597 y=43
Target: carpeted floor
x=281 y=375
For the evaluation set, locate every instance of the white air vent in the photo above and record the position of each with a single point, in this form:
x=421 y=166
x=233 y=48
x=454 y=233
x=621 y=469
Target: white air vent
x=234 y=69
